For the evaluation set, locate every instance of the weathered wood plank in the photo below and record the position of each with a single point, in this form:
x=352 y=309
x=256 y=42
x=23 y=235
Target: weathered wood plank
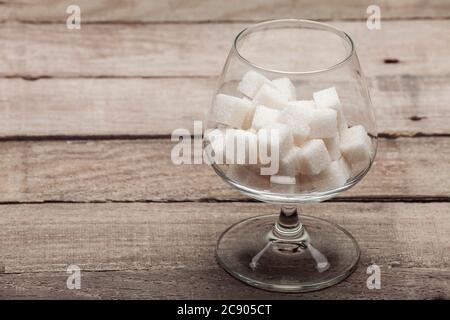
x=30 y=50
x=170 y=248
x=234 y=10
x=143 y=171
x=213 y=283
x=101 y=106
x=89 y=107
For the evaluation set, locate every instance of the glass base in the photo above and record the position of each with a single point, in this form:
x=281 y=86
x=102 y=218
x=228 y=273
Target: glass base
x=319 y=255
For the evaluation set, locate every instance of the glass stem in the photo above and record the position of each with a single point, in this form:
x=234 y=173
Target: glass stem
x=287 y=235
x=288 y=225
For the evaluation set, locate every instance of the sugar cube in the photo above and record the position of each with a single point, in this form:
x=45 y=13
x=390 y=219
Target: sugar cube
x=314 y=157
x=270 y=97
x=341 y=121
x=251 y=82
x=286 y=88
x=327 y=98
x=276 y=179
x=276 y=133
x=249 y=116
x=333 y=147
x=241 y=147
x=230 y=110
x=264 y=116
x=274 y=142
x=334 y=176
x=290 y=162
x=323 y=123
x=355 y=146
x=345 y=167
x=297 y=117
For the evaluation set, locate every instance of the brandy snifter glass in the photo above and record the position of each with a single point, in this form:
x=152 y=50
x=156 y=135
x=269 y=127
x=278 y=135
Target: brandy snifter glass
x=302 y=80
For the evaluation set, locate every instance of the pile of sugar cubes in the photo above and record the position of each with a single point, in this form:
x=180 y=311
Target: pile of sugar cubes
x=317 y=149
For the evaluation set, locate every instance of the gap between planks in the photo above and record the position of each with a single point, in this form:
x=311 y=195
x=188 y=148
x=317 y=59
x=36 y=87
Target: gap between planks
x=383 y=199
x=211 y=11
x=200 y=22
x=104 y=77
x=382 y=135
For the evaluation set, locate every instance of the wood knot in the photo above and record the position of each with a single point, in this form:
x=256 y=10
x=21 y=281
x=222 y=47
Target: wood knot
x=391 y=60
x=417 y=118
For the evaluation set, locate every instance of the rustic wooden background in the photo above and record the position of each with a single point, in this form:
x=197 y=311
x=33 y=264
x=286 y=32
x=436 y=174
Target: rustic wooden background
x=85 y=170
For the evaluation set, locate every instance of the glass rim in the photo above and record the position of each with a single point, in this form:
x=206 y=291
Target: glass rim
x=318 y=25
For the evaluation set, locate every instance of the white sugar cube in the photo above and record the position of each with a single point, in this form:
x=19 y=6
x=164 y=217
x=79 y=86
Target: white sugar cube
x=327 y=98
x=323 y=123
x=334 y=176
x=341 y=121
x=289 y=164
x=333 y=147
x=276 y=135
x=276 y=179
x=345 y=167
x=274 y=143
x=314 y=157
x=286 y=87
x=230 y=110
x=247 y=175
x=264 y=116
x=270 y=97
x=216 y=140
x=355 y=146
x=249 y=116
x=298 y=117
x=241 y=147
x=251 y=83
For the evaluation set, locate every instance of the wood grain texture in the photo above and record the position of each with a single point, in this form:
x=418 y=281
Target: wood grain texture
x=213 y=283
x=30 y=50
x=166 y=250
x=142 y=170
x=90 y=107
x=234 y=10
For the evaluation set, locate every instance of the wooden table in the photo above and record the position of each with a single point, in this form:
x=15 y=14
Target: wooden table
x=85 y=170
